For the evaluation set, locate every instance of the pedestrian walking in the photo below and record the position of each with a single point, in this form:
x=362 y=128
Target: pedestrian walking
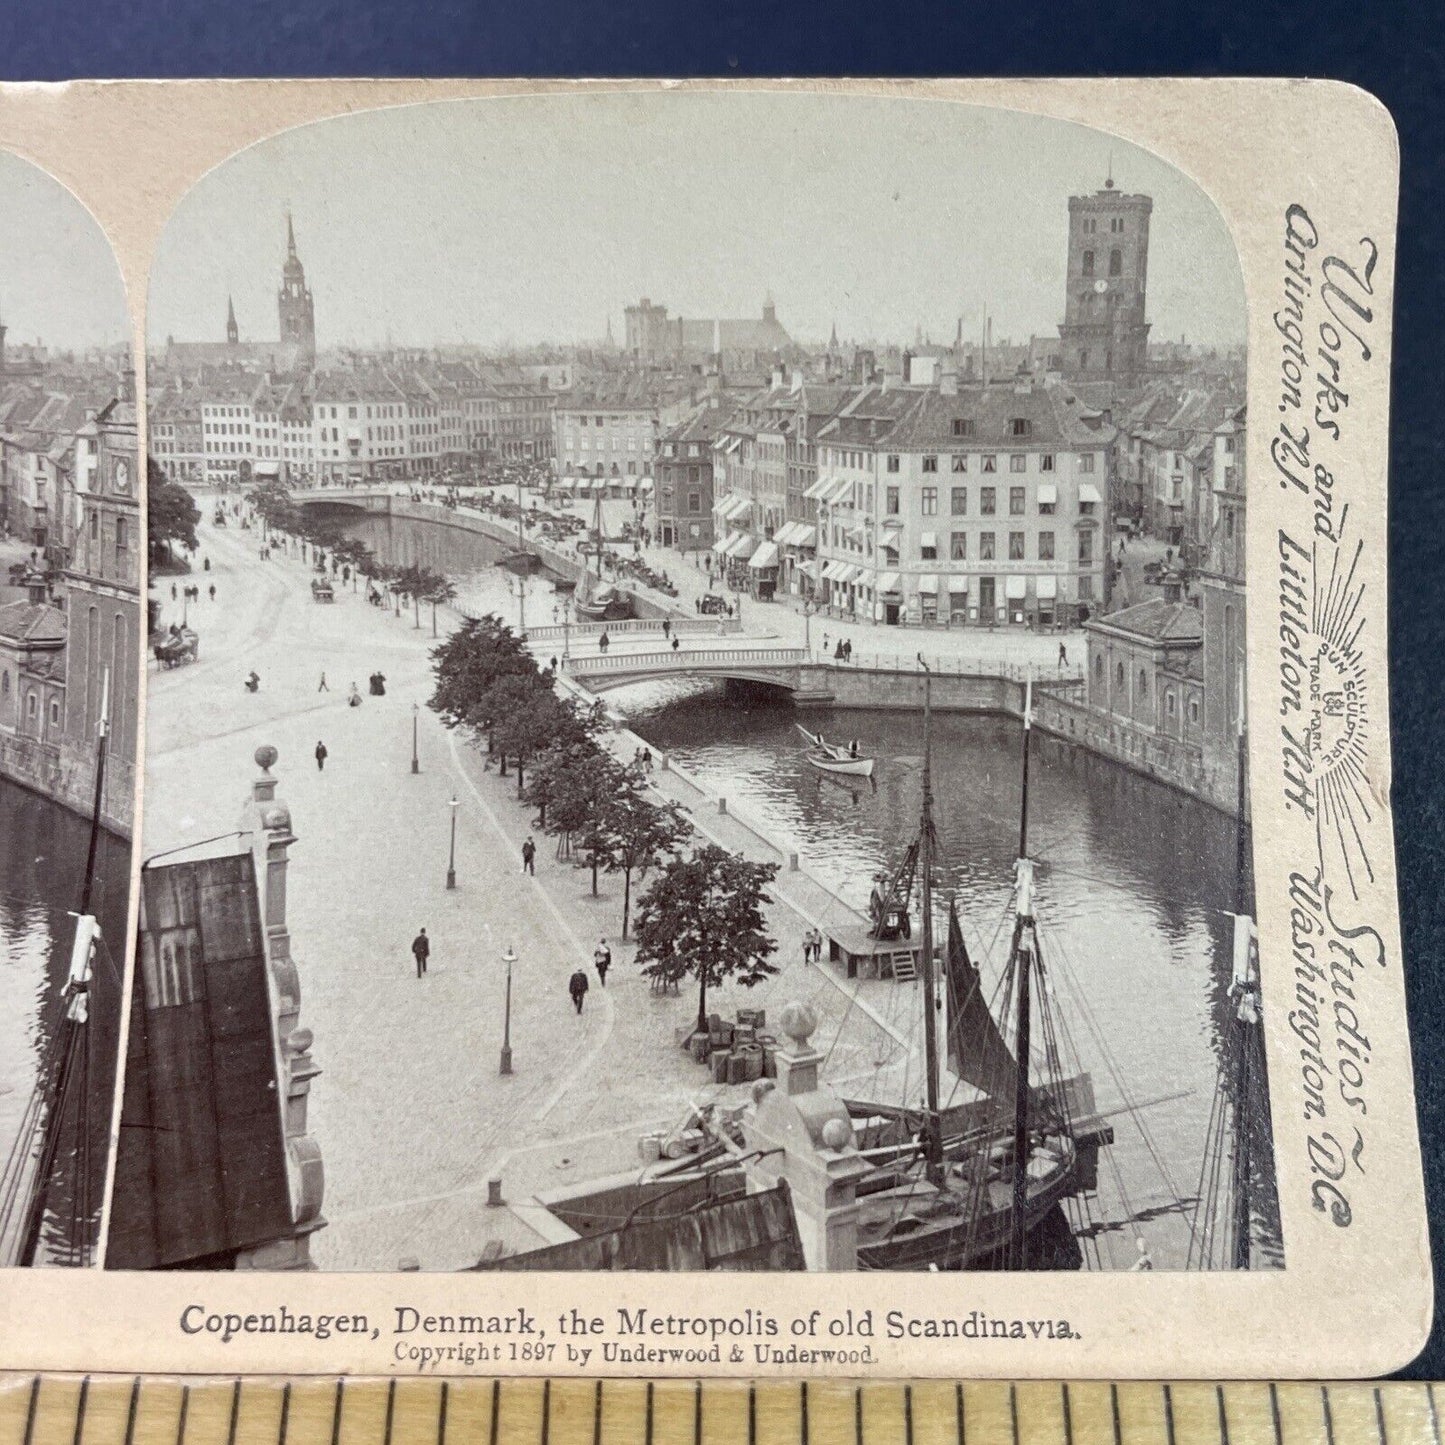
x=212 y=590
x=666 y=627
x=321 y=686
x=529 y=854
x=825 y=644
x=173 y=591
x=602 y=960
x=604 y=642
x=321 y=756
x=647 y=760
x=848 y=650
x=674 y=644
x=577 y=986
x=421 y=951
x=206 y=563
x=1063 y=655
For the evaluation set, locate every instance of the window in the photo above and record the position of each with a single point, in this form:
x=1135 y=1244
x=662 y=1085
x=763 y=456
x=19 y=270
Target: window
x=1015 y=501
x=988 y=501
x=985 y=546
x=694 y=502
x=1086 y=462
x=1119 y=674
x=1169 y=702
x=930 y=464
x=1016 y=546
x=94 y=526
x=1018 y=462
x=960 y=462
x=891 y=502
x=1046 y=509
x=958 y=503
x=1046 y=462
x=1143 y=685
x=1086 y=549
x=1229 y=524
x=1088 y=263
x=930 y=501
x=1194 y=709
x=122 y=527
x=1046 y=546
x=892 y=463
x=1086 y=509
x=990 y=462
x=963 y=426
x=1020 y=426
x=958 y=546
x=1116 y=262
x=54 y=712
x=928 y=548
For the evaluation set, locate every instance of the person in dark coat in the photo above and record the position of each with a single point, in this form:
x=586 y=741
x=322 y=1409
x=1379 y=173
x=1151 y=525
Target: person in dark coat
x=321 y=756
x=577 y=986
x=421 y=951
x=602 y=960
x=529 y=854
x=603 y=642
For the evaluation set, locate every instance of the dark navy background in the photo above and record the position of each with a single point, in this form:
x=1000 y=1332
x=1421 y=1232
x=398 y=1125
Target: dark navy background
x=1392 y=50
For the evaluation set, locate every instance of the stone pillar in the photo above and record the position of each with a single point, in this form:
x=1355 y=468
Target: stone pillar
x=805 y=1136
x=268 y=820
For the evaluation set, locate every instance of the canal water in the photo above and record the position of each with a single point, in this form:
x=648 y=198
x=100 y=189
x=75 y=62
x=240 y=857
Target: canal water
x=42 y=864
x=1135 y=886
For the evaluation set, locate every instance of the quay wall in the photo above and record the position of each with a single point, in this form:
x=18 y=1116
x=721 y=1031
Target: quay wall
x=1057 y=708
x=67 y=777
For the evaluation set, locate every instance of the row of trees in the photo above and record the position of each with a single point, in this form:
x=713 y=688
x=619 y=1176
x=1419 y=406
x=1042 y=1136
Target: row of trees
x=702 y=916
x=411 y=583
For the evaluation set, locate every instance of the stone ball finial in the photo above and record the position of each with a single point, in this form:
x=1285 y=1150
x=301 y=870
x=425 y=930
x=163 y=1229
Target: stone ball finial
x=266 y=757
x=837 y=1134
x=799 y=1022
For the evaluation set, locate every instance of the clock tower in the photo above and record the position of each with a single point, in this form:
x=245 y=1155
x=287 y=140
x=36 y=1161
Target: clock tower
x=295 y=308
x=1104 y=335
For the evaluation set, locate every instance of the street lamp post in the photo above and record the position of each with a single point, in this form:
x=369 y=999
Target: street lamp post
x=415 y=766
x=452 y=856
x=808 y=625
x=509 y=958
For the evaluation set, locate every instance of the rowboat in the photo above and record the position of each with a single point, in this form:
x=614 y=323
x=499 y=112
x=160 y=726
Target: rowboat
x=844 y=765
x=830 y=758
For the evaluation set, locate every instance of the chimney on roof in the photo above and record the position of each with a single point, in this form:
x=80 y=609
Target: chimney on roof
x=35 y=587
x=948 y=377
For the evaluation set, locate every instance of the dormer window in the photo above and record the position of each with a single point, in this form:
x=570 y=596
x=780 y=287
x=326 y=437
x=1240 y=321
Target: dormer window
x=1020 y=426
x=963 y=426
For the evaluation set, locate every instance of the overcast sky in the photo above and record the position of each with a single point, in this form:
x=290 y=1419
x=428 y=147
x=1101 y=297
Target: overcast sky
x=540 y=218
x=58 y=279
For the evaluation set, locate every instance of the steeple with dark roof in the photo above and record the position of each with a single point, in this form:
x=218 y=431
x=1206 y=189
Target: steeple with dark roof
x=233 y=332
x=294 y=305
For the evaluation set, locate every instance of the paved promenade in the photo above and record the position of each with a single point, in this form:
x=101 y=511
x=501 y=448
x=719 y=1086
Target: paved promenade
x=410 y=1113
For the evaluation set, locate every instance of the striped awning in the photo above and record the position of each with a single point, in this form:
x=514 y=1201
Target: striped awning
x=742 y=546
x=888 y=582
x=723 y=543
x=765 y=556
x=818 y=488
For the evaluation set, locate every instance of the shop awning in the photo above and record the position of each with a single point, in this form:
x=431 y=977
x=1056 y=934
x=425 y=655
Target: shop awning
x=958 y=586
x=1088 y=492
x=731 y=444
x=742 y=547
x=928 y=583
x=850 y=573
x=765 y=556
x=858 y=531
x=928 y=539
x=784 y=535
x=838 y=488
x=644 y=484
x=809 y=569
x=1016 y=588
x=888 y=582
x=630 y=483
x=818 y=488
x=805 y=536
x=723 y=543
x=1048 y=492
x=1047 y=588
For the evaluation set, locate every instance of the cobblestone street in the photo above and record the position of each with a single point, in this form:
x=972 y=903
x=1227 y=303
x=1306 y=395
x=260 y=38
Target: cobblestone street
x=410 y=1112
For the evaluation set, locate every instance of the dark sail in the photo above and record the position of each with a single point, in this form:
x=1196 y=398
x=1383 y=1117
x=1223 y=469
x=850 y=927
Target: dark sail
x=977 y=1052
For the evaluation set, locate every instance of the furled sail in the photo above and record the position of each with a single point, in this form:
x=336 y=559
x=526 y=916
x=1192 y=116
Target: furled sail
x=977 y=1052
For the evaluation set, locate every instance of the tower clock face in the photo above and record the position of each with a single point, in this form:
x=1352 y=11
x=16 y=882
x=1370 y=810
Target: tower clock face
x=1101 y=287
x=121 y=476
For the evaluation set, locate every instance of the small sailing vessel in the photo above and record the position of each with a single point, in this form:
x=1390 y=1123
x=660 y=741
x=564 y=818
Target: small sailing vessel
x=979 y=1184
x=606 y=605
x=831 y=758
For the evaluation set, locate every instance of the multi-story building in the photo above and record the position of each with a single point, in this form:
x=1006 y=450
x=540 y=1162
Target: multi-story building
x=228 y=428
x=32 y=667
x=103 y=594
x=1105 y=336
x=736 y=345
x=177 y=435
x=980 y=506
x=683 y=476
x=611 y=428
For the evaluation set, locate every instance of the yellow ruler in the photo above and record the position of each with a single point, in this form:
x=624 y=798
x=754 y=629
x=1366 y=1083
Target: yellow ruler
x=161 y=1410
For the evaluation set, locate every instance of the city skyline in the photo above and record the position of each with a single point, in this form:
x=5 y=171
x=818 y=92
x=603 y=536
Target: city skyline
x=59 y=282
x=701 y=205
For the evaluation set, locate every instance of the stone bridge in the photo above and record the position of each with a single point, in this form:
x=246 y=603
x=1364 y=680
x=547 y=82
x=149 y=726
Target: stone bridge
x=344 y=499
x=787 y=668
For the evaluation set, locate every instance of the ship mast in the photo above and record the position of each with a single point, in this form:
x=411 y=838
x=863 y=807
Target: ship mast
x=1243 y=1007
x=932 y=1127
x=74 y=1037
x=1023 y=958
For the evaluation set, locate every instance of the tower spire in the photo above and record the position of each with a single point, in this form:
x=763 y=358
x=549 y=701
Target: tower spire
x=290 y=236
x=233 y=333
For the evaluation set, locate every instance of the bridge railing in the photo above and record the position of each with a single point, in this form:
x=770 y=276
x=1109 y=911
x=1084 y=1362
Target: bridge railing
x=692 y=657
x=638 y=627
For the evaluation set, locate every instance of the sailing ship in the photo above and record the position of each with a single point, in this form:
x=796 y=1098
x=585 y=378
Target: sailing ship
x=831 y=758
x=979 y=1184
x=34 y=1186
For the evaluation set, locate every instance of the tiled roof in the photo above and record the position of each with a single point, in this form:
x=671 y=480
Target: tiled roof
x=32 y=623
x=1156 y=620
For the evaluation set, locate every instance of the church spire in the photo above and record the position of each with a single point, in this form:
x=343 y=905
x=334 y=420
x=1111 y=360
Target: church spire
x=233 y=332
x=290 y=237
x=833 y=339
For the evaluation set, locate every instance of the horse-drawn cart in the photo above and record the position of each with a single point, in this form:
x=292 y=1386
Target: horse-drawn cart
x=176 y=647
x=321 y=590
